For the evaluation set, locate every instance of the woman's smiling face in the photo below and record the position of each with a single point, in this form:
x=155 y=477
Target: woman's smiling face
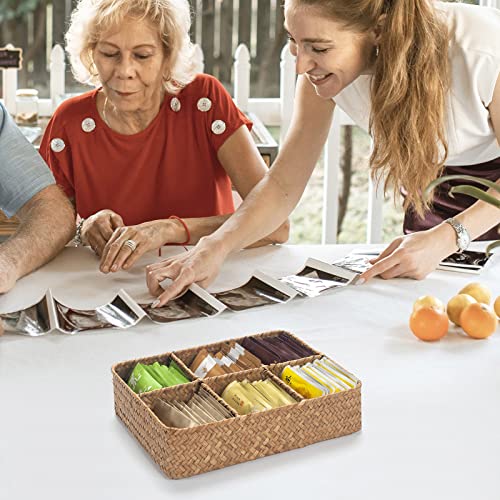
x=330 y=56
x=131 y=65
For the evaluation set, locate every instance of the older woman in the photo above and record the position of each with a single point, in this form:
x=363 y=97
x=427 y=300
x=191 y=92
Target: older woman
x=423 y=78
x=150 y=155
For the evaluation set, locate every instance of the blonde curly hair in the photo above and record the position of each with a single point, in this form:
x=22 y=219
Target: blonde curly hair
x=91 y=18
x=409 y=88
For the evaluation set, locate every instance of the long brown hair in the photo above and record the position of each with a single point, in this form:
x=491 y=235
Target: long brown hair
x=409 y=87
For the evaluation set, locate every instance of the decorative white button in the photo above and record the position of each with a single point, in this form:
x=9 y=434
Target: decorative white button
x=218 y=127
x=204 y=104
x=57 y=145
x=175 y=104
x=88 y=125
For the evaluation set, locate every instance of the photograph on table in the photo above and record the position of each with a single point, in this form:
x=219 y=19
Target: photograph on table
x=34 y=320
x=119 y=313
x=467 y=261
x=259 y=290
x=50 y=314
x=194 y=303
x=355 y=262
x=317 y=277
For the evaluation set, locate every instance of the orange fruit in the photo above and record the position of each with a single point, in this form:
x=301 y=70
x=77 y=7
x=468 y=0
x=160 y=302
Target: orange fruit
x=429 y=323
x=496 y=306
x=480 y=292
x=456 y=305
x=478 y=320
x=428 y=301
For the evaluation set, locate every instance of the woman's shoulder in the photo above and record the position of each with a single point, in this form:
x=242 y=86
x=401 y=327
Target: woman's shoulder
x=473 y=28
x=75 y=106
x=203 y=85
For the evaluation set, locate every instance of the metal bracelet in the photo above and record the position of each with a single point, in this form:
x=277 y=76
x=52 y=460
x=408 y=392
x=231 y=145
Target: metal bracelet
x=77 y=240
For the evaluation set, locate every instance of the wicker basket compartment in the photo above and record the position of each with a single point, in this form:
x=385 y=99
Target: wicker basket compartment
x=186 y=452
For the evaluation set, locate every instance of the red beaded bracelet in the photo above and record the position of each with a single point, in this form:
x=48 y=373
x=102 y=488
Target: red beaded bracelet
x=185 y=228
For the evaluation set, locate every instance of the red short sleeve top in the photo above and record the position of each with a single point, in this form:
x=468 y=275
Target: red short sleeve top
x=170 y=168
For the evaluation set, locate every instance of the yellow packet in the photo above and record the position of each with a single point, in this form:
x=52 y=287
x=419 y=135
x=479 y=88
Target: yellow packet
x=237 y=399
x=300 y=382
x=271 y=398
x=282 y=395
x=259 y=401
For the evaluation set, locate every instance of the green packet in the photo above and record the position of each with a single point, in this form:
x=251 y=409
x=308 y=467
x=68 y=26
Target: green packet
x=145 y=378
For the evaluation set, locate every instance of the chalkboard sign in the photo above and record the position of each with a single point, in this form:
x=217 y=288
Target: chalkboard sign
x=11 y=58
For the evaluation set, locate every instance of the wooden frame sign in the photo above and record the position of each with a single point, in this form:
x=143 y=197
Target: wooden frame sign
x=11 y=58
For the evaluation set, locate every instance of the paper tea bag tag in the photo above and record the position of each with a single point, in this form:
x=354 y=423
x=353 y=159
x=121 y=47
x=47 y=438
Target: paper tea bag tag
x=205 y=366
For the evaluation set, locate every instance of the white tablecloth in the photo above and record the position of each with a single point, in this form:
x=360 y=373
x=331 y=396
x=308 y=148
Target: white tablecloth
x=431 y=411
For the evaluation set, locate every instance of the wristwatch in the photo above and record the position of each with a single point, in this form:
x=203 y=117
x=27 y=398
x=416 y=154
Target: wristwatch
x=463 y=238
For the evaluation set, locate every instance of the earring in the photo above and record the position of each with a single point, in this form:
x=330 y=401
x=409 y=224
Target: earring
x=376 y=50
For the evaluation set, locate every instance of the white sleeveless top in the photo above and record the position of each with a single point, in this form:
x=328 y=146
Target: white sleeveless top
x=475 y=67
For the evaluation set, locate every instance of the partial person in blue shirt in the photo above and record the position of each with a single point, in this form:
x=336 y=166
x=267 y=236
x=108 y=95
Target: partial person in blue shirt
x=28 y=190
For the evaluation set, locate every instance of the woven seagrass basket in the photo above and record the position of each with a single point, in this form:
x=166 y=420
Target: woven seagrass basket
x=186 y=452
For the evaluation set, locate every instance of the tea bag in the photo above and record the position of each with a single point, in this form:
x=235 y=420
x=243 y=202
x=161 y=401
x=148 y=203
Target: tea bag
x=184 y=409
x=210 y=400
x=302 y=383
x=275 y=394
x=240 y=355
x=170 y=415
x=259 y=401
x=155 y=376
x=335 y=368
x=224 y=361
x=214 y=413
x=205 y=365
x=318 y=378
x=141 y=381
x=237 y=399
x=200 y=412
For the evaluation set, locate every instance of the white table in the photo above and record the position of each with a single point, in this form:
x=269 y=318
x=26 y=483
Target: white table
x=431 y=411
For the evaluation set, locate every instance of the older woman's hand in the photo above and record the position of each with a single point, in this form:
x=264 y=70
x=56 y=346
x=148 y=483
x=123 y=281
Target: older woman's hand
x=98 y=229
x=199 y=265
x=118 y=254
x=414 y=255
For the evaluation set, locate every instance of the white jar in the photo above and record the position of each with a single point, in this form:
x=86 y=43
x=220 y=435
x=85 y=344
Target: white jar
x=27 y=107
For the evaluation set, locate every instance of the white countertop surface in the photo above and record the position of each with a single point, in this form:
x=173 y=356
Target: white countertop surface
x=431 y=411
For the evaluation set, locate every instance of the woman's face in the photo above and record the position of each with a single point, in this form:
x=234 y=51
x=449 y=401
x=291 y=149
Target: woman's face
x=330 y=56
x=131 y=65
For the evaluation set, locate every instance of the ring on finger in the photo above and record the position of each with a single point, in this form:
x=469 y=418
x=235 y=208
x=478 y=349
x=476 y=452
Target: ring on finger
x=130 y=244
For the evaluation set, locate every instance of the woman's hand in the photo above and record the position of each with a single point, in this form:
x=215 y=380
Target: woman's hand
x=199 y=265
x=98 y=229
x=147 y=236
x=414 y=255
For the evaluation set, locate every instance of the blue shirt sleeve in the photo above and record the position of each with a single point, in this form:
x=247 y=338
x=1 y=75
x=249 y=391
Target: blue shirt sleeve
x=23 y=173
